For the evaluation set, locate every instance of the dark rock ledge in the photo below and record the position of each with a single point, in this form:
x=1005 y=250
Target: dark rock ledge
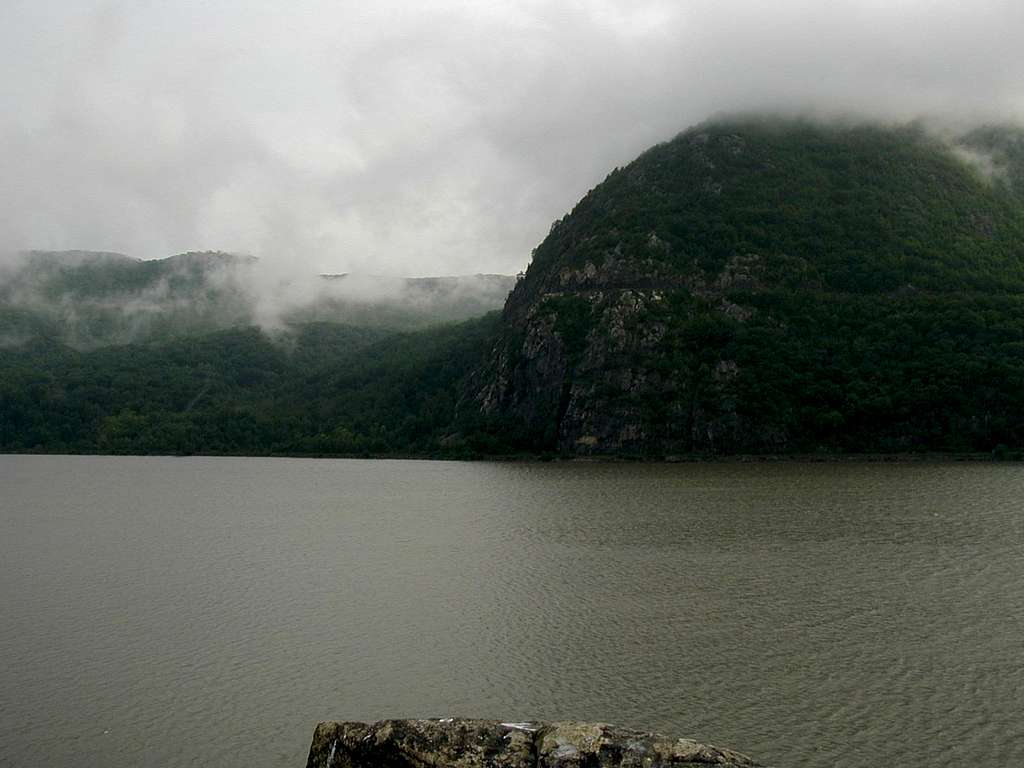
x=459 y=743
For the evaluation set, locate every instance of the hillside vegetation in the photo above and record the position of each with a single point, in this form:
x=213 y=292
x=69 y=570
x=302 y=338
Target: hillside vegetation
x=321 y=389
x=752 y=286
x=773 y=286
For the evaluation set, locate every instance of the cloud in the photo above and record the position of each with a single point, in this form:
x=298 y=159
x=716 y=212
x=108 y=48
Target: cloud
x=426 y=137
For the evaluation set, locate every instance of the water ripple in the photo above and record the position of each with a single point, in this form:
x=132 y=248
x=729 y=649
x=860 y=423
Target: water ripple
x=210 y=611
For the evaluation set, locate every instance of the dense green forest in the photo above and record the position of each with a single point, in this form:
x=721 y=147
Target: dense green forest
x=318 y=389
x=765 y=285
x=752 y=286
x=859 y=209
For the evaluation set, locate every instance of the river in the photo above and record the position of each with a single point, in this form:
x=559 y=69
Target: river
x=209 y=611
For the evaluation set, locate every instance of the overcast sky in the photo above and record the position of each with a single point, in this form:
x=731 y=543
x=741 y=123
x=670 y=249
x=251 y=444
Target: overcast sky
x=425 y=137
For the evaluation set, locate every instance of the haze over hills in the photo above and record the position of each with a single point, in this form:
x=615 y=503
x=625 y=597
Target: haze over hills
x=88 y=299
x=754 y=285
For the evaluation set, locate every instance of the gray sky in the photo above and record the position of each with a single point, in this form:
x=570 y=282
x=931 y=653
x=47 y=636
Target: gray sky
x=425 y=137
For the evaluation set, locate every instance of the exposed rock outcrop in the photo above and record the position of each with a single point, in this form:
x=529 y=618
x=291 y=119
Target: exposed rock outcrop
x=460 y=743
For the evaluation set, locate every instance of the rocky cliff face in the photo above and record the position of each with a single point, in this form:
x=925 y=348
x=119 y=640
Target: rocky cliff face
x=729 y=289
x=605 y=359
x=458 y=743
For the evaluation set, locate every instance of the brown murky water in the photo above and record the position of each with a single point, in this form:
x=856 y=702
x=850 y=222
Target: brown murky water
x=174 y=612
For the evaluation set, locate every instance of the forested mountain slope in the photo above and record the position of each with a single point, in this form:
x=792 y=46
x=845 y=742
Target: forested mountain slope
x=322 y=388
x=761 y=285
x=752 y=286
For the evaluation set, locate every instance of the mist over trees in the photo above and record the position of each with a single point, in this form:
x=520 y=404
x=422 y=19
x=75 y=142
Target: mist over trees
x=91 y=299
x=754 y=285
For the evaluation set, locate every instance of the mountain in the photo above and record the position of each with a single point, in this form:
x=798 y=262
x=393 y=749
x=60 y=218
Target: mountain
x=208 y=353
x=93 y=299
x=768 y=285
x=752 y=286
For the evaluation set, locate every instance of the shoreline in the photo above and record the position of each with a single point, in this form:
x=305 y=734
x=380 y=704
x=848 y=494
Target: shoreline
x=931 y=457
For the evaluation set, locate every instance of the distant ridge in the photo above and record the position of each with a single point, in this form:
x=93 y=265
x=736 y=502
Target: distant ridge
x=92 y=298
